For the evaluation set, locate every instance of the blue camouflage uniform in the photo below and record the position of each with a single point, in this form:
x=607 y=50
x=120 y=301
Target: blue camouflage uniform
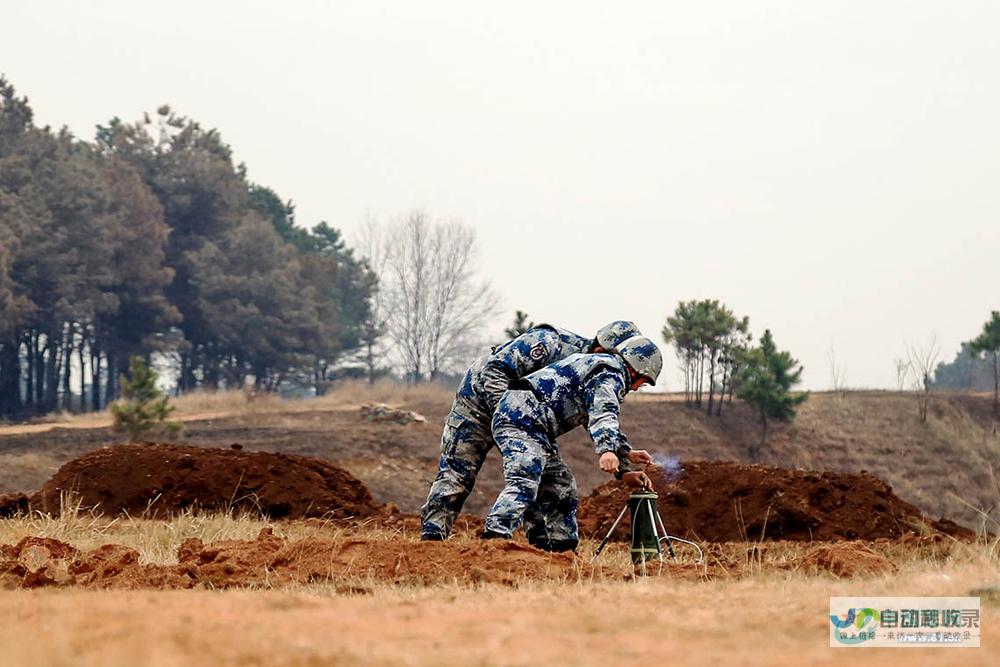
x=581 y=389
x=466 y=439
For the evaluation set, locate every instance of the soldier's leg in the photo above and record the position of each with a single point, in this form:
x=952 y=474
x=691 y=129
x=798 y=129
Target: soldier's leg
x=464 y=446
x=524 y=452
x=551 y=522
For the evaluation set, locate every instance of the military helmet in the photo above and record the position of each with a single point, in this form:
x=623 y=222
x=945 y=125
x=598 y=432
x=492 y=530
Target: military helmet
x=610 y=336
x=643 y=356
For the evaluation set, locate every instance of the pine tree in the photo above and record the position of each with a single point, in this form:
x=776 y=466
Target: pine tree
x=764 y=381
x=707 y=337
x=521 y=324
x=988 y=342
x=143 y=409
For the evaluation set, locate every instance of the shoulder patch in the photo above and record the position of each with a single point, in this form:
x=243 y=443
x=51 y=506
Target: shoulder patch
x=537 y=352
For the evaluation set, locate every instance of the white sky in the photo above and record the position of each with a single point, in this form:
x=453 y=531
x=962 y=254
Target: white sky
x=828 y=168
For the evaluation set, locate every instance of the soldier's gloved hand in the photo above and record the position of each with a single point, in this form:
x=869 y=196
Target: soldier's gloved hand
x=639 y=456
x=608 y=462
x=637 y=480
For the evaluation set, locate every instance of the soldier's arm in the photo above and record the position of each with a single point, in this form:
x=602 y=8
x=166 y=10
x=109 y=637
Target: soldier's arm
x=603 y=393
x=524 y=355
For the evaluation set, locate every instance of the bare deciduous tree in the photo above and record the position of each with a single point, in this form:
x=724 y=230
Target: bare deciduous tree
x=407 y=291
x=435 y=305
x=902 y=371
x=921 y=361
x=459 y=304
x=374 y=248
x=838 y=373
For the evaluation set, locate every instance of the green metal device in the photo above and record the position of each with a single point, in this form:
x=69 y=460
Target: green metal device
x=648 y=532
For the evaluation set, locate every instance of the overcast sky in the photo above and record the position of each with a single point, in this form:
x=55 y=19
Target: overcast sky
x=831 y=169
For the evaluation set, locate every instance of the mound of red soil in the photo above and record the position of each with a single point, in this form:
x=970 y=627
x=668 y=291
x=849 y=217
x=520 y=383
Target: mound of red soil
x=270 y=560
x=845 y=559
x=720 y=501
x=161 y=480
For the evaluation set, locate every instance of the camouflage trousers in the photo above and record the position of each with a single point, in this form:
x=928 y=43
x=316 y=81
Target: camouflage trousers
x=540 y=488
x=465 y=442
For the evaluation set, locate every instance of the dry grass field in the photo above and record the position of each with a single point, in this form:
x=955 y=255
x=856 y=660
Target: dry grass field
x=758 y=612
x=209 y=405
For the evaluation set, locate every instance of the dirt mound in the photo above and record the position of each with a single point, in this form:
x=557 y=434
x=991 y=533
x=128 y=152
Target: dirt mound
x=13 y=504
x=271 y=560
x=161 y=480
x=721 y=501
x=845 y=559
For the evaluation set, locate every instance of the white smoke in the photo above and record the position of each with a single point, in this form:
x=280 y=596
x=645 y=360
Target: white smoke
x=671 y=466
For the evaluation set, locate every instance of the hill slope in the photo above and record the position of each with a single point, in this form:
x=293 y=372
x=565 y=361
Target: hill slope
x=941 y=467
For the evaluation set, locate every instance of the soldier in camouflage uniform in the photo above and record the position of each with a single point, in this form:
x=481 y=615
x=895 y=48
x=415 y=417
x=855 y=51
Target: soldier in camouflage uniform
x=581 y=389
x=467 y=439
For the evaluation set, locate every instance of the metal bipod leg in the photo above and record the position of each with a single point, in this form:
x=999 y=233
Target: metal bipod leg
x=607 y=537
x=657 y=520
x=652 y=521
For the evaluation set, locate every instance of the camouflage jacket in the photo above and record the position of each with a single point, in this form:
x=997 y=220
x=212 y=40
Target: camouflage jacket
x=490 y=376
x=585 y=389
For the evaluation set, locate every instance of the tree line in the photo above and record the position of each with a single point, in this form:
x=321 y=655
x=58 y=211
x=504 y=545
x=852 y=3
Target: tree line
x=710 y=342
x=150 y=239
x=977 y=364
x=718 y=360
